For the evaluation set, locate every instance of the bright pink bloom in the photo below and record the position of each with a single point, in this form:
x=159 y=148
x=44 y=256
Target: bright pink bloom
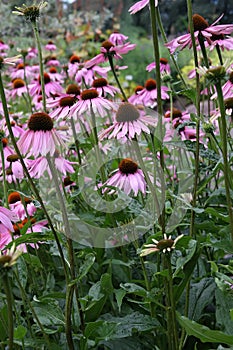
x=17 y=206
x=164 y=66
x=108 y=49
x=129 y=122
x=128 y=178
x=18 y=88
x=90 y=101
x=201 y=27
x=117 y=38
x=40 y=138
x=50 y=46
x=103 y=87
x=6 y=218
x=38 y=166
x=51 y=87
x=148 y=96
x=138 y=6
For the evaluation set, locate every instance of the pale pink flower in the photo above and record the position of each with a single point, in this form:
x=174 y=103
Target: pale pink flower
x=138 y=6
x=50 y=46
x=202 y=27
x=129 y=122
x=90 y=101
x=39 y=166
x=128 y=178
x=227 y=88
x=148 y=96
x=51 y=87
x=21 y=71
x=18 y=88
x=108 y=49
x=7 y=216
x=17 y=205
x=103 y=87
x=164 y=66
x=165 y=245
x=40 y=138
x=117 y=38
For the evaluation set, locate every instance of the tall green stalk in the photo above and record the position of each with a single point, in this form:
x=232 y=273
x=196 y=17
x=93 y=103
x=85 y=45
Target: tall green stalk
x=9 y=299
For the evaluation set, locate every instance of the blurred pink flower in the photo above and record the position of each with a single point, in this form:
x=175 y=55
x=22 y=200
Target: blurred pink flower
x=138 y=6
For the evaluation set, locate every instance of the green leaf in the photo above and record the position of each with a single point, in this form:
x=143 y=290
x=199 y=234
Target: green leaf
x=134 y=289
x=119 y=293
x=49 y=312
x=20 y=332
x=100 y=330
x=203 y=333
x=224 y=302
x=85 y=267
x=3 y=323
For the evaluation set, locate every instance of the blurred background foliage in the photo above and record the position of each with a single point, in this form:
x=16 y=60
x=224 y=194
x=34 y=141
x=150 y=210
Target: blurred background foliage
x=80 y=26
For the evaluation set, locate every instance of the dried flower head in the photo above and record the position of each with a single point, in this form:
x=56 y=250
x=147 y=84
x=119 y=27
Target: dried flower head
x=9 y=258
x=165 y=245
x=31 y=13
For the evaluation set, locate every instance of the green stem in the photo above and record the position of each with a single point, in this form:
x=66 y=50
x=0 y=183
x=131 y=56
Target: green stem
x=226 y=167
x=160 y=25
x=116 y=78
x=68 y=323
x=154 y=25
x=203 y=49
x=70 y=249
x=33 y=186
x=27 y=300
x=4 y=175
x=219 y=54
x=76 y=141
x=42 y=83
x=9 y=298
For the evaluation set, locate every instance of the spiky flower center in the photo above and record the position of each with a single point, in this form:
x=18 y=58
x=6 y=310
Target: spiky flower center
x=50 y=42
x=40 y=122
x=67 y=101
x=231 y=77
x=150 y=84
x=1 y=62
x=14 y=197
x=73 y=89
x=107 y=45
x=176 y=113
x=4 y=259
x=199 y=23
x=12 y=158
x=52 y=70
x=9 y=172
x=74 y=59
x=4 y=141
x=32 y=13
x=128 y=166
x=163 y=60
x=46 y=78
x=89 y=94
x=138 y=88
x=18 y=83
x=20 y=66
x=215 y=37
x=67 y=181
x=165 y=244
x=228 y=102
x=127 y=113
x=99 y=82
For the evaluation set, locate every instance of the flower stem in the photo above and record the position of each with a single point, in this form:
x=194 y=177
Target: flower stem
x=42 y=83
x=4 y=174
x=154 y=15
x=116 y=78
x=9 y=298
x=226 y=167
x=76 y=141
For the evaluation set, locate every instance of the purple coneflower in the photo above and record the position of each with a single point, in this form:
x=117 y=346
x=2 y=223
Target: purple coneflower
x=6 y=218
x=129 y=122
x=18 y=88
x=17 y=205
x=108 y=49
x=128 y=178
x=20 y=71
x=201 y=27
x=103 y=87
x=64 y=102
x=148 y=95
x=90 y=101
x=40 y=138
x=39 y=166
x=50 y=46
x=51 y=87
x=138 y=6
x=164 y=66
x=117 y=38
x=227 y=88
x=165 y=245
